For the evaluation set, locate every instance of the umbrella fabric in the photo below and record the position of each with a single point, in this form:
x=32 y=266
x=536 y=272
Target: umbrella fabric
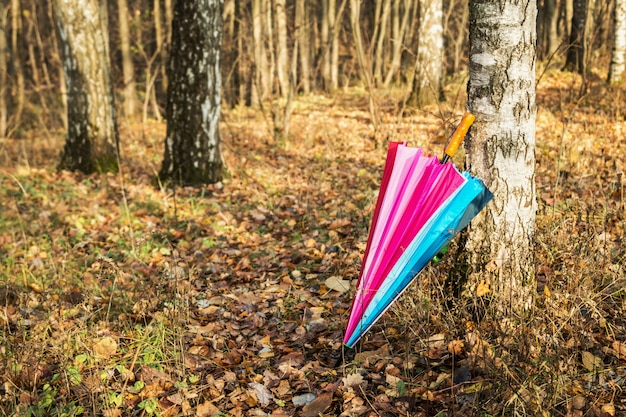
x=412 y=190
x=421 y=206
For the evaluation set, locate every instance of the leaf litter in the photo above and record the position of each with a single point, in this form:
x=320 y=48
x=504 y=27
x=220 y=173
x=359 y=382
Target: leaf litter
x=231 y=299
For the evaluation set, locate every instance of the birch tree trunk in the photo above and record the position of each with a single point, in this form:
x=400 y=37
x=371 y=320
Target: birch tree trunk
x=4 y=88
x=92 y=139
x=401 y=14
x=128 y=69
x=304 y=50
x=618 y=54
x=192 y=145
x=282 y=52
x=429 y=63
x=501 y=149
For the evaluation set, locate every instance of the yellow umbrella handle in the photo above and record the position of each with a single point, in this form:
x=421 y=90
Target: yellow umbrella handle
x=459 y=135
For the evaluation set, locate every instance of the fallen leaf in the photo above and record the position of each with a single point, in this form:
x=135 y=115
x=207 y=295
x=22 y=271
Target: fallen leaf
x=304 y=399
x=318 y=405
x=482 y=289
x=591 y=362
x=105 y=347
x=337 y=284
x=352 y=380
x=262 y=393
x=620 y=349
x=207 y=409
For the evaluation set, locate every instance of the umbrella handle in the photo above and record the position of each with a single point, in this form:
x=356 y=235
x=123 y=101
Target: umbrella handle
x=458 y=136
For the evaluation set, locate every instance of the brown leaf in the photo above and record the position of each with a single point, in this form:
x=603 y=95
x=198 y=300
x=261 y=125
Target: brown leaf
x=620 y=349
x=105 y=347
x=318 y=405
x=207 y=409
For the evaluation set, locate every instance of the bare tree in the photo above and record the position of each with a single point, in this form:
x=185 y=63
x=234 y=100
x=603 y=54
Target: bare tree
x=92 y=139
x=501 y=149
x=192 y=145
x=3 y=69
x=16 y=57
x=426 y=87
x=128 y=68
x=618 y=54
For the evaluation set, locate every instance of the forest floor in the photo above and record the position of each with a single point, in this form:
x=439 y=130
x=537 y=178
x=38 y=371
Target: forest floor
x=119 y=297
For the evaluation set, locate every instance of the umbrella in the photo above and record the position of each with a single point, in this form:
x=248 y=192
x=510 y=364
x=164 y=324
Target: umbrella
x=423 y=203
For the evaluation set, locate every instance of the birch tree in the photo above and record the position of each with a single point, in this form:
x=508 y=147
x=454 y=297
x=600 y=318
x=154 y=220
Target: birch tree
x=618 y=54
x=92 y=140
x=192 y=145
x=501 y=149
x=128 y=68
x=426 y=87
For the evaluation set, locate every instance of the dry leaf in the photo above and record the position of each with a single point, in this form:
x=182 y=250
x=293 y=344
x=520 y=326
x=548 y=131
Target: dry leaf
x=262 y=393
x=352 y=380
x=456 y=347
x=105 y=347
x=620 y=349
x=207 y=409
x=482 y=289
x=337 y=284
x=318 y=405
x=591 y=362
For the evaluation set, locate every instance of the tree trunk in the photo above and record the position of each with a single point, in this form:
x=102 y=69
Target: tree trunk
x=304 y=50
x=92 y=140
x=501 y=149
x=618 y=55
x=192 y=146
x=16 y=57
x=128 y=68
x=401 y=14
x=576 y=53
x=429 y=64
x=363 y=58
x=381 y=43
x=3 y=69
x=262 y=72
x=282 y=52
x=334 y=39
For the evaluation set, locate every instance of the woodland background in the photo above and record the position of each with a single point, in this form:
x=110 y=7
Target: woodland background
x=120 y=297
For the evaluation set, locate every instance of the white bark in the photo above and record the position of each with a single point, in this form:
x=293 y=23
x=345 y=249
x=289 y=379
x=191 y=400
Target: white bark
x=92 y=140
x=618 y=55
x=429 y=64
x=501 y=149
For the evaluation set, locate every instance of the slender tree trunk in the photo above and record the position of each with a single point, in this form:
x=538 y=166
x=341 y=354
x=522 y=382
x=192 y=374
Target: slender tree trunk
x=4 y=69
x=429 y=64
x=192 y=146
x=304 y=50
x=56 y=57
x=128 y=68
x=325 y=39
x=334 y=39
x=401 y=13
x=576 y=53
x=618 y=55
x=501 y=149
x=282 y=52
x=92 y=140
x=381 y=43
x=363 y=58
x=262 y=67
x=19 y=93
